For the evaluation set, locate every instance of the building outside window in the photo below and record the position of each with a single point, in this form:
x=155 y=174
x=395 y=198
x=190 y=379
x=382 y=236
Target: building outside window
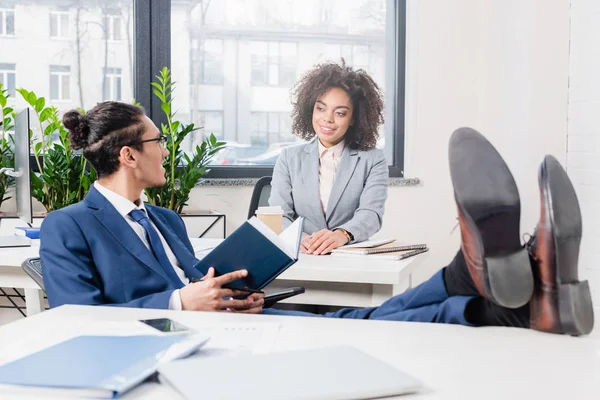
x=271 y=127
x=355 y=55
x=59 y=24
x=112 y=84
x=207 y=62
x=8 y=78
x=273 y=63
x=208 y=122
x=7 y=21
x=60 y=82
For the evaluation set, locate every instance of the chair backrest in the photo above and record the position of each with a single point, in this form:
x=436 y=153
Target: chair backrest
x=33 y=268
x=260 y=195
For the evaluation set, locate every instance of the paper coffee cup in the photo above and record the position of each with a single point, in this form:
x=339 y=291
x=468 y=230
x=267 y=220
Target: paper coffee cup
x=271 y=216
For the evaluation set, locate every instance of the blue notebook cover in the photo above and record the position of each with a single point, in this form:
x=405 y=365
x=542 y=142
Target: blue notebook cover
x=247 y=248
x=98 y=366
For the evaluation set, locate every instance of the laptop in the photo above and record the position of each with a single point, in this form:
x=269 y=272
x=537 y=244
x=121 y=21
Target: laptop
x=340 y=372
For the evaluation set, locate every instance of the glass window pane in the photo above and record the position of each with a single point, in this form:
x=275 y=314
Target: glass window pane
x=53 y=25
x=10 y=23
x=89 y=56
x=64 y=25
x=66 y=88
x=118 y=88
x=255 y=51
x=54 y=86
x=10 y=84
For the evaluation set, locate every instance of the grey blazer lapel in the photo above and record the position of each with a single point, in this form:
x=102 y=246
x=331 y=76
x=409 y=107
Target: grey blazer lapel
x=310 y=178
x=344 y=173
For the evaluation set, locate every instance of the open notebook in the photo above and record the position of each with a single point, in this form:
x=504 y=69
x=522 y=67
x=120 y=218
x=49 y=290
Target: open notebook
x=256 y=248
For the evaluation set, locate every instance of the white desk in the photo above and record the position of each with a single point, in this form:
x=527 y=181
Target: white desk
x=341 y=281
x=453 y=362
x=328 y=280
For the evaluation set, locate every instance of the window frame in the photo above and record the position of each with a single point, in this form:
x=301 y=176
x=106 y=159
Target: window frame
x=59 y=27
x=152 y=50
x=112 y=75
x=60 y=77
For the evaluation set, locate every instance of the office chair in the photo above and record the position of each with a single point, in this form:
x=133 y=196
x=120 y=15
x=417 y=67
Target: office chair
x=260 y=195
x=33 y=268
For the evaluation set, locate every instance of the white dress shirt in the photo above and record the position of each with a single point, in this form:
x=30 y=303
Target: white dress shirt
x=329 y=160
x=124 y=207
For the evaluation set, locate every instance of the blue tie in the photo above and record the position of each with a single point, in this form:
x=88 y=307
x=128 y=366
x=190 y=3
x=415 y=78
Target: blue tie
x=156 y=245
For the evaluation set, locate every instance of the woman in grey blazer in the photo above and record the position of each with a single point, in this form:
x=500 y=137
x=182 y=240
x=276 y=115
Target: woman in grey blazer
x=338 y=180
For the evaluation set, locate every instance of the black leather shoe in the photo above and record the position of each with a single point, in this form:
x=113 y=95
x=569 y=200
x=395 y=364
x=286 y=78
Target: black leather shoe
x=489 y=213
x=560 y=303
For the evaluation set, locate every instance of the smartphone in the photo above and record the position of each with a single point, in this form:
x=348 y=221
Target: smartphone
x=166 y=325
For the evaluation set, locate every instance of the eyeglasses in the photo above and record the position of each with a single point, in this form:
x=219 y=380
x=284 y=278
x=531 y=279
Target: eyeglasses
x=162 y=140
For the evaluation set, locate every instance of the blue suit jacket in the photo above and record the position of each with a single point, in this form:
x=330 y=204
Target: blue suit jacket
x=90 y=255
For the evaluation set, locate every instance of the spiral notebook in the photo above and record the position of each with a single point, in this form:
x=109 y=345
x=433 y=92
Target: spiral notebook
x=363 y=251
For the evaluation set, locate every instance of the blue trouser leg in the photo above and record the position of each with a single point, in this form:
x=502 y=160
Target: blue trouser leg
x=428 y=302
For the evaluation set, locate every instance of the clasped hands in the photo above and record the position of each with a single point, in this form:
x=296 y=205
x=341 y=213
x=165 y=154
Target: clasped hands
x=208 y=294
x=322 y=242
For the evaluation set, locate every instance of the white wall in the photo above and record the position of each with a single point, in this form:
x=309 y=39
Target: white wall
x=500 y=66
x=583 y=144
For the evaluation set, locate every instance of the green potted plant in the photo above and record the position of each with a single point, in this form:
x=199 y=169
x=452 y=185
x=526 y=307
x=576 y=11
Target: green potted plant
x=63 y=176
x=183 y=172
x=6 y=144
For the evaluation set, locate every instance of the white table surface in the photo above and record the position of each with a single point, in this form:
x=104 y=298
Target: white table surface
x=342 y=281
x=453 y=362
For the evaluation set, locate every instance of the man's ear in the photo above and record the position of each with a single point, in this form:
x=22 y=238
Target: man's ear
x=128 y=157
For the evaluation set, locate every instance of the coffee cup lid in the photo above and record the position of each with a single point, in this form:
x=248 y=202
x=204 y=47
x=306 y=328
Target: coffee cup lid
x=269 y=210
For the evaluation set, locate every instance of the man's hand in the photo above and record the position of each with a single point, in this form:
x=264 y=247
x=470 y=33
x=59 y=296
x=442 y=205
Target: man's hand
x=208 y=294
x=258 y=301
x=324 y=241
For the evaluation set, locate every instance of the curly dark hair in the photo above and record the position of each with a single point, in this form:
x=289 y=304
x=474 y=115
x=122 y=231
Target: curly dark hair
x=103 y=131
x=365 y=94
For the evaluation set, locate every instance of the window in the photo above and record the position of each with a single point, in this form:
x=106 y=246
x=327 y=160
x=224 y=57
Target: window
x=60 y=85
x=59 y=24
x=112 y=25
x=8 y=78
x=207 y=62
x=271 y=127
x=356 y=55
x=261 y=48
x=112 y=84
x=273 y=63
x=7 y=21
x=208 y=122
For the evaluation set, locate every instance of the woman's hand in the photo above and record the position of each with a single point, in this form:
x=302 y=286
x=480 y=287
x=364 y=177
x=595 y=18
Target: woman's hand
x=324 y=241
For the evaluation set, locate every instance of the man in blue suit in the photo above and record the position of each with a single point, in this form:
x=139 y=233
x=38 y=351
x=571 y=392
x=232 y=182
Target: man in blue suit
x=111 y=249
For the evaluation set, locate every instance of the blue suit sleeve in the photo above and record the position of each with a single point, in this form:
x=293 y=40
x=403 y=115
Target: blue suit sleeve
x=70 y=275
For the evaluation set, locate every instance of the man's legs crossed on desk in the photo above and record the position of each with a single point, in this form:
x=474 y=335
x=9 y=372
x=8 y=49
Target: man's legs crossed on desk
x=494 y=279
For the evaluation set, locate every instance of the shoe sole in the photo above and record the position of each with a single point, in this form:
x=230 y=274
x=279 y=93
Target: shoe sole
x=485 y=191
x=561 y=303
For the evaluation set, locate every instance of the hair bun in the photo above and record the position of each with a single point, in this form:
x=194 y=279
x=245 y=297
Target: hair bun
x=78 y=128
